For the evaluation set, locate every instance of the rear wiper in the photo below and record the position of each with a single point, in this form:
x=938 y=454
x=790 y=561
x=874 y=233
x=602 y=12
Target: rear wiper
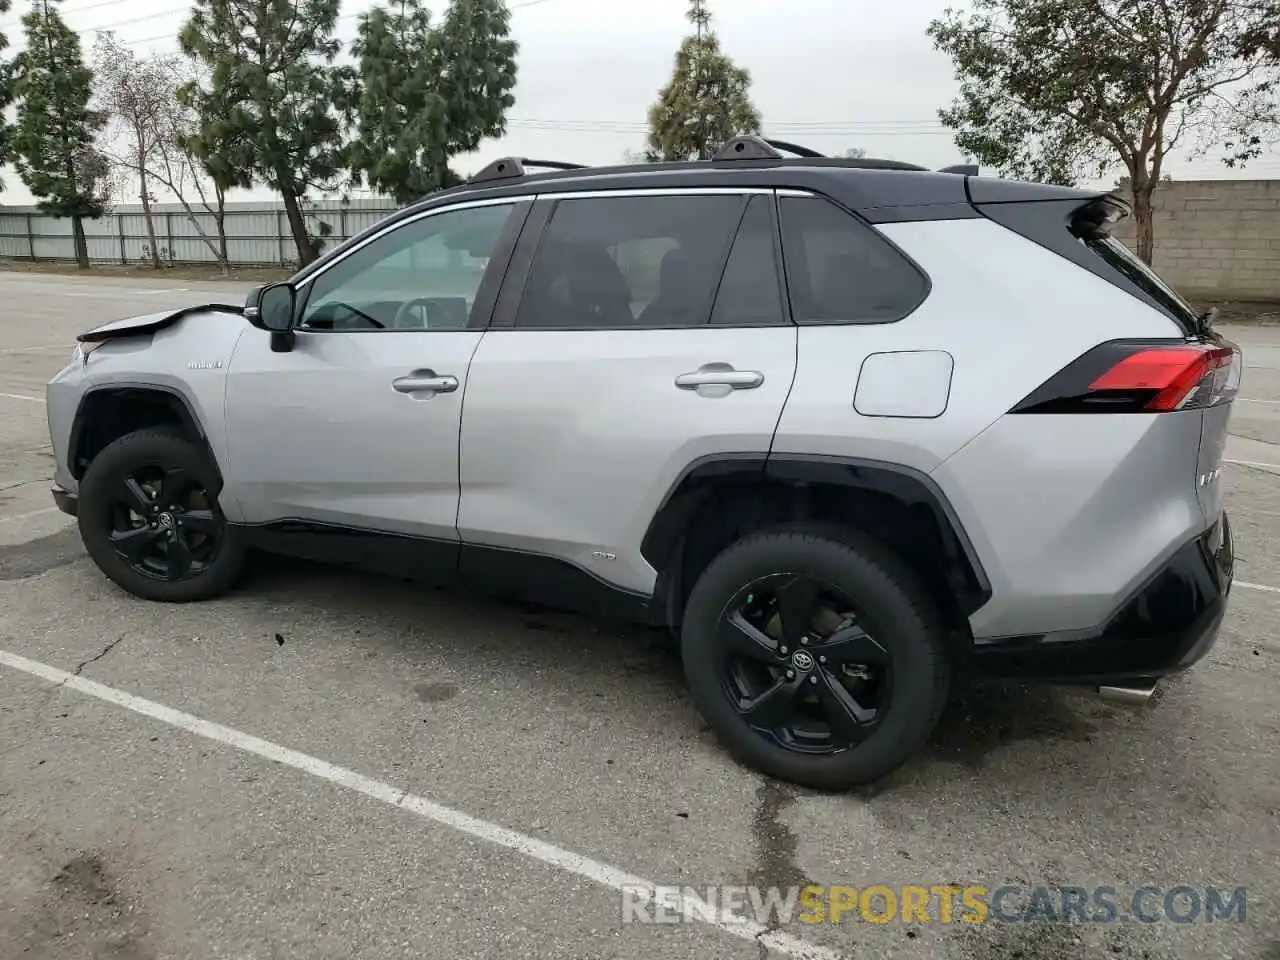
x=1205 y=321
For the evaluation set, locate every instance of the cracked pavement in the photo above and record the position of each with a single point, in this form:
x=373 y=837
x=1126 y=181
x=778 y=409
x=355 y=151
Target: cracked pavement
x=123 y=837
x=98 y=656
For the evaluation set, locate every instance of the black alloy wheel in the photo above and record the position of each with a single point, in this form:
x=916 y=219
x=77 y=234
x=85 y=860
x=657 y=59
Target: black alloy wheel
x=799 y=667
x=163 y=524
x=816 y=654
x=149 y=518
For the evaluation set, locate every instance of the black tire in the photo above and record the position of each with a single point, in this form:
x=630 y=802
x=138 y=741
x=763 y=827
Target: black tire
x=893 y=609
x=104 y=511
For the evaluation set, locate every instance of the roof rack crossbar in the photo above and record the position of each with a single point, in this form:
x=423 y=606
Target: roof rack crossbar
x=512 y=168
x=795 y=148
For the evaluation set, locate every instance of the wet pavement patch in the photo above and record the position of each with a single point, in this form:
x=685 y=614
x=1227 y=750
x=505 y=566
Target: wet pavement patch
x=39 y=556
x=77 y=913
x=1042 y=940
x=775 y=843
x=984 y=717
x=435 y=692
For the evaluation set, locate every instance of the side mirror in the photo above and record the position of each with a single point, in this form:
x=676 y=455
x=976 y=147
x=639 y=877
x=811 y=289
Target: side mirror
x=271 y=308
x=275 y=308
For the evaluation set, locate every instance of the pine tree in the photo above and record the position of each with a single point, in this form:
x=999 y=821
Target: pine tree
x=428 y=94
x=707 y=101
x=53 y=140
x=276 y=102
x=6 y=94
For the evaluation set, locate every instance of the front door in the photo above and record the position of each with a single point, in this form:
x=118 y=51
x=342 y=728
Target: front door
x=650 y=332
x=357 y=425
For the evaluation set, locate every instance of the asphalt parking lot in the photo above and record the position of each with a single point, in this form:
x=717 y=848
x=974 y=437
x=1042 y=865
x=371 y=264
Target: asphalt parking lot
x=328 y=765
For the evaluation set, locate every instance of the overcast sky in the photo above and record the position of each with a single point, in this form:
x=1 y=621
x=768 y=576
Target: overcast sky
x=826 y=73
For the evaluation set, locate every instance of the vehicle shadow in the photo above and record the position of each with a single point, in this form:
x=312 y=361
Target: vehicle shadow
x=577 y=652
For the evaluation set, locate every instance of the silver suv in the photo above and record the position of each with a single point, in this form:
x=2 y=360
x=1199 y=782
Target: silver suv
x=846 y=427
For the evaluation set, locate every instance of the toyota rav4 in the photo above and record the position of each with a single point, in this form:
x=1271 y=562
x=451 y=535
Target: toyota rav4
x=847 y=428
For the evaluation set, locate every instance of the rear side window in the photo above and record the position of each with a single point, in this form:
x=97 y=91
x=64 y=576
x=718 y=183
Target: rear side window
x=839 y=270
x=616 y=262
x=750 y=290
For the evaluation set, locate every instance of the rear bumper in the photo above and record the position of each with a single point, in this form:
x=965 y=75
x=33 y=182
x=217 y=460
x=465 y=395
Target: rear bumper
x=64 y=500
x=1165 y=626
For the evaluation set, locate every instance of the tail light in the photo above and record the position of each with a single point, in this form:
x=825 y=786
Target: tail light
x=1131 y=376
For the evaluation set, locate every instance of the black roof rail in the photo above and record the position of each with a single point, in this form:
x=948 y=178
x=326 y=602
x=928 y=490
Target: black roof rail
x=512 y=168
x=798 y=150
x=964 y=169
x=751 y=147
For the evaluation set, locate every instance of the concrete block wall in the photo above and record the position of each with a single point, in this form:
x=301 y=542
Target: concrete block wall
x=1217 y=239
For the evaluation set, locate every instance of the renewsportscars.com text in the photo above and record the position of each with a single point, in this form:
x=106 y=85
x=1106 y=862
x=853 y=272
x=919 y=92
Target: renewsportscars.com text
x=934 y=903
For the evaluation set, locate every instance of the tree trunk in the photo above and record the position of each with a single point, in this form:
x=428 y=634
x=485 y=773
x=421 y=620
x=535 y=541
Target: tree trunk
x=81 y=244
x=219 y=250
x=146 y=215
x=220 y=218
x=1143 y=219
x=297 y=226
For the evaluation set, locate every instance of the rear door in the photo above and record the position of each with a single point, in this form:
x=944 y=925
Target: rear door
x=637 y=333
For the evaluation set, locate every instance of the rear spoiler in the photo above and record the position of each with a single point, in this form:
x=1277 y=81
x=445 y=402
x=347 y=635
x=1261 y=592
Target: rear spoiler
x=1096 y=218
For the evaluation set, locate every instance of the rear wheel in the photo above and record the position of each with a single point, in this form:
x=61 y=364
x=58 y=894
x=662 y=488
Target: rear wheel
x=149 y=518
x=816 y=657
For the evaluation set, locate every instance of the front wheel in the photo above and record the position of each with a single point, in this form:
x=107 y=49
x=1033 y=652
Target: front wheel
x=149 y=518
x=816 y=658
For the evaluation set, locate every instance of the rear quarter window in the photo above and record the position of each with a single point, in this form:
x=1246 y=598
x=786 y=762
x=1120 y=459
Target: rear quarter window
x=840 y=270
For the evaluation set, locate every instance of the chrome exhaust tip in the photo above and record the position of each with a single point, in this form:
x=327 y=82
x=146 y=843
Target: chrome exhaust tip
x=1132 y=696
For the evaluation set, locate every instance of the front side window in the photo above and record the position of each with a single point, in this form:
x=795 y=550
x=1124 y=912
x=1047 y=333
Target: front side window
x=616 y=262
x=423 y=275
x=839 y=270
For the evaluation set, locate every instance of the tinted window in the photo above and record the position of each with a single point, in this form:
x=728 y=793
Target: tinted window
x=423 y=275
x=749 y=293
x=629 y=262
x=839 y=270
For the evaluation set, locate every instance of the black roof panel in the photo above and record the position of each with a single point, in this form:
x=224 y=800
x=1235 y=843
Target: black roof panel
x=880 y=190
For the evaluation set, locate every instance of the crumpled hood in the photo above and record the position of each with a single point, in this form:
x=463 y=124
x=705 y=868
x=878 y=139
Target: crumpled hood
x=151 y=322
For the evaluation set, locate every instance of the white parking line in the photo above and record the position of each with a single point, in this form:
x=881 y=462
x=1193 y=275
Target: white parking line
x=19 y=396
x=25 y=516
x=1252 y=400
x=1256 y=586
x=535 y=849
x=41 y=348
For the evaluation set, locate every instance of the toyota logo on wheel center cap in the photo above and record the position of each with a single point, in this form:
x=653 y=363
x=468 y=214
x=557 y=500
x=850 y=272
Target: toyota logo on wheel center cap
x=166 y=520
x=802 y=660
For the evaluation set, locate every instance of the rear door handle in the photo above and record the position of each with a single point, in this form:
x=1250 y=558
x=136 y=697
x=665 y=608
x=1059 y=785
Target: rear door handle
x=720 y=375
x=425 y=381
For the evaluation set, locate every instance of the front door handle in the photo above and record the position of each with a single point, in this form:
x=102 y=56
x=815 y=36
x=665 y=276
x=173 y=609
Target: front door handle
x=425 y=381
x=717 y=379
